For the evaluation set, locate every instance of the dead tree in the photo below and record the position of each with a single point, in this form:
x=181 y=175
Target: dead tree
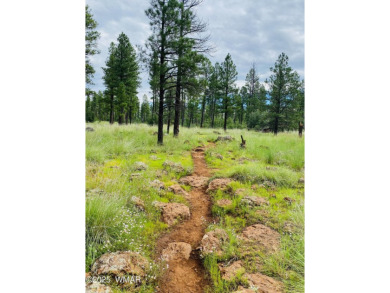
x=243 y=142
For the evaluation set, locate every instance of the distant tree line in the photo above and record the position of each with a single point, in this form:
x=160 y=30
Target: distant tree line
x=187 y=89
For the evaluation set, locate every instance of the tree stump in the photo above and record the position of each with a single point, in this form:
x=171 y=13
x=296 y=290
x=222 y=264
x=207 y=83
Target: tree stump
x=243 y=142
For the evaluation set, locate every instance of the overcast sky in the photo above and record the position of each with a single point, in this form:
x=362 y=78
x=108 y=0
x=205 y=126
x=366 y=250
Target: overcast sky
x=252 y=31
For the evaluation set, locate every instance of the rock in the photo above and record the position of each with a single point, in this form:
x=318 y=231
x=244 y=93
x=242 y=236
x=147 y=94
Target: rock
x=153 y=157
x=244 y=290
x=230 y=272
x=289 y=227
x=177 y=189
x=268 y=184
x=139 y=203
x=159 y=205
x=195 y=181
x=140 y=166
x=173 y=212
x=253 y=200
x=212 y=242
x=264 y=283
x=177 y=251
x=134 y=176
x=220 y=183
x=224 y=138
x=161 y=173
x=219 y=156
x=157 y=184
x=263 y=236
x=175 y=167
x=120 y=263
x=301 y=180
x=89 y=129
x=224 y=203
x=288 y=199
x=240 y=191
x=97 y=287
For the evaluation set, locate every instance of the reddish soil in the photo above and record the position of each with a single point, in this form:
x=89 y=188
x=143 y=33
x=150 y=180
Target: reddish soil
x=188 y=275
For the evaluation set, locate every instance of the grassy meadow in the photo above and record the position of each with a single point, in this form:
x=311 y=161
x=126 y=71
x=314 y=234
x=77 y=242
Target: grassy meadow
x=113 y=177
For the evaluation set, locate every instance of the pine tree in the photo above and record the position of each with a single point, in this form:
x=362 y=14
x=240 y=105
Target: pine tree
x=284 y=84
x=127 y=72
x=228 y=77
x=163 y=16
x=110 y=79
x=91 y=38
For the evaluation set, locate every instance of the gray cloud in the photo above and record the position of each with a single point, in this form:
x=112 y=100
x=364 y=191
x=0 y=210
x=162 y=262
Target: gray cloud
x=251 y=31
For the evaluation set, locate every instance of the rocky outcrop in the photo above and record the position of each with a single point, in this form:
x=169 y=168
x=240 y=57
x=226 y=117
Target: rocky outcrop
x=175 y=167
x=230 y=272
x=139 y=203
x=177 y=189
x=264 y=283
x=212 y=242
x=253 y=200
x=97 y=287
x=263 y=236
x=120 y=263
x=224 y=203
x=219 y=183
x=140 y=166
x=174 y=212
x=177 y=251
x=157 y=184
x=224 y=138
x=194 y=181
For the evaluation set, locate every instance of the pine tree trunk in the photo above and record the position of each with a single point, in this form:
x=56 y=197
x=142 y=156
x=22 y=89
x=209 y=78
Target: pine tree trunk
x=112 y=110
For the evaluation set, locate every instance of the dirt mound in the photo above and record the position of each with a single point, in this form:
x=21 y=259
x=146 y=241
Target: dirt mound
x=195 y=181
x=120 y=263
x=97 y=287
x=177 y=189
x=261 y=235
x=224 y=203
x=220 y=183
x=230 y=272
x=264 y=283
x=212 y=242
x=176 y=251
x=173 y=212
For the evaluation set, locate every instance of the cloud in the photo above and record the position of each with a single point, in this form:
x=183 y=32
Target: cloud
x=251 y=31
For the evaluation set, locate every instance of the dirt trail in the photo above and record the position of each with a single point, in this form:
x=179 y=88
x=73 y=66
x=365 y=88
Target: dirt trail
x=189 y=276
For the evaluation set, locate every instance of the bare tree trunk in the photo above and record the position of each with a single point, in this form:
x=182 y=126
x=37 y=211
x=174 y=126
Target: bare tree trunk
x=112 y=109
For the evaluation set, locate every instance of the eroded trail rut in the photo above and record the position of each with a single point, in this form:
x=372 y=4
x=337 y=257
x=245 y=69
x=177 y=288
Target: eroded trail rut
x=188 y=275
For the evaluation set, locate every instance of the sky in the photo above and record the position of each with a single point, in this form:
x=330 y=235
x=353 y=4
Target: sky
x=252 y=31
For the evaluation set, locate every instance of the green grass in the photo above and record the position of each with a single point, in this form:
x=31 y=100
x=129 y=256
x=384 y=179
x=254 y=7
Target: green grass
x=114 y=223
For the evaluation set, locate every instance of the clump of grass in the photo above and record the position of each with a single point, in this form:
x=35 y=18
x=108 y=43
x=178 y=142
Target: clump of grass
x=254 y=173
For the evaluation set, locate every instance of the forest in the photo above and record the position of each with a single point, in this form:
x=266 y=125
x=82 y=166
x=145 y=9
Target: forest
x=187 y=89
x=199 y=187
